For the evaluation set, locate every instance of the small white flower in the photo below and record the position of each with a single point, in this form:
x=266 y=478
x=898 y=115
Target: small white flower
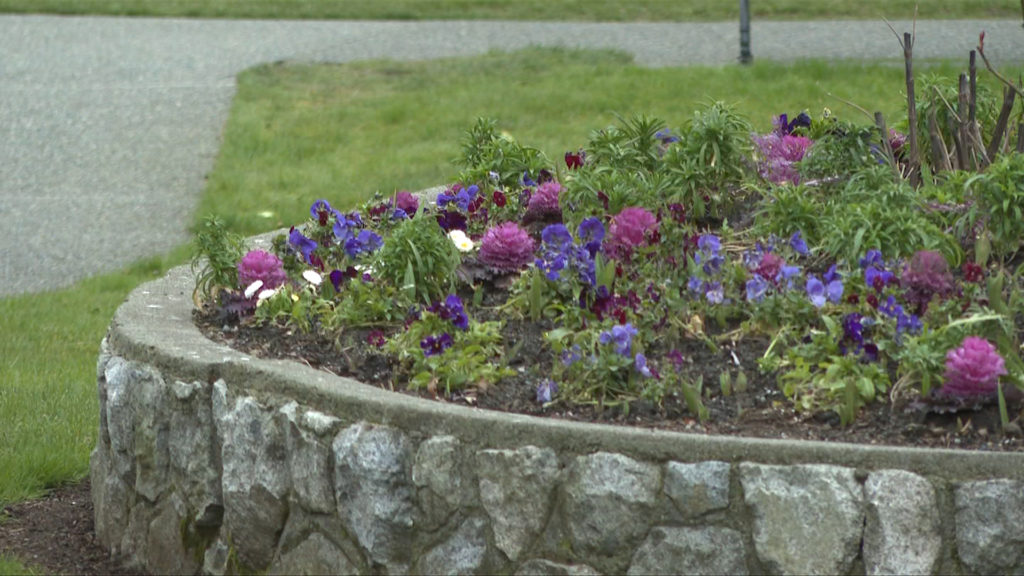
x=312 y=277
x=462 y=242
x=265 y=295
x=252 y=288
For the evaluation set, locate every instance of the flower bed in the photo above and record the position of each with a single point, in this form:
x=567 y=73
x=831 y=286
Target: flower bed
x=655 y=271
x=611 y=283
x=211 y=459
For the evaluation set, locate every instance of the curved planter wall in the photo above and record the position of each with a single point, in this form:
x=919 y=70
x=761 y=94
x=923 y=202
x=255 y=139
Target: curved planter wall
x=209 y=460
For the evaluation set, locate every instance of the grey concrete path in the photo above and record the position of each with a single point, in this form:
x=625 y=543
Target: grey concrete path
x=108 y=126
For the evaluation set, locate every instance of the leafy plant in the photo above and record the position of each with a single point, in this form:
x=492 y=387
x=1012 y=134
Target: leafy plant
x=215 y=255
x=490 y=156
x=711 y=160
x=998 y=195
x=445 y=348
x=842 y=149
x=419 y=259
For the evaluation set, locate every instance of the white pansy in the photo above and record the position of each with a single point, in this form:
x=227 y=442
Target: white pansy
x=252 y=288
x=462 y=242
x=312 y=277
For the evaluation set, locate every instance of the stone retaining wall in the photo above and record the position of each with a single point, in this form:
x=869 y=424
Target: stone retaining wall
x=212 y=461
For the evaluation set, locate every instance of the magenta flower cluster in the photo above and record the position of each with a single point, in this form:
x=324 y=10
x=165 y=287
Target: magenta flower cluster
x=543 y=204
x=506 y=247
x=260 y=265
x=779 y=155
x=925 y=277
x=973 y=370
x=632 y=227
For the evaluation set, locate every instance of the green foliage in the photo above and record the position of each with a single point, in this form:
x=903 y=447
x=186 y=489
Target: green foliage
x=419 y=259
x=711 y=160
x=841 y=149
x=633 y=146
x=12 y=567
x=786 y=209
x=718 y=139
x=363 y=304
x=624 y=163
x=215 y=255
x=998 y=196
x=818 y=377
x=869 y=211
x=474 y=358
x=897 y=231
x=601 y=376
x=485 y=153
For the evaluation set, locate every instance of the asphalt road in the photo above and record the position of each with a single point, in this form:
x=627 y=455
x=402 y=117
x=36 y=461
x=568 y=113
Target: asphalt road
x=108 y=126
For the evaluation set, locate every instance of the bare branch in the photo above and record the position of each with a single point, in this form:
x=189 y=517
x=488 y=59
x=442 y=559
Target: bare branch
x=852 y=105
x=895 y=33
x=981 y=52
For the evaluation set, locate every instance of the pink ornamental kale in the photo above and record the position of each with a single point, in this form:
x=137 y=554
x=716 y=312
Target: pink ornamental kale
x=926 y=276
x=543 y=205
x=407 y=202
x=632 y=227
x=973 y=370
x=779 y=155
x=506 y=247
x=260 y=265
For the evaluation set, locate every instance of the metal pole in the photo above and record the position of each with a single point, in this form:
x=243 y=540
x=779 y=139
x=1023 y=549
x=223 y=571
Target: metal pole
x=745 y=56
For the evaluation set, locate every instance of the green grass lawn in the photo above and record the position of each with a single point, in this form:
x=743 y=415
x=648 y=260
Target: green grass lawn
x=298 y=133
x=579 y=10
x=342 y=132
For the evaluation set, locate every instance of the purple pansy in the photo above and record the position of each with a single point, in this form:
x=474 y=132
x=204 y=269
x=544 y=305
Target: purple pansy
x=622 y=336
x=364 y=242
x=815 y=291
x=434 y=345
x=304 y=245
x=546 y=391
x=640 y=362
x=452 y=310
x=796 y=242
x=757 y=287
x=591 y=233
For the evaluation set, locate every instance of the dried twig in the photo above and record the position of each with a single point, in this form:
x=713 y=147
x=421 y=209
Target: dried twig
x=963 y=126
x=996 y=145
x=914 y=161
x=852 y=105
x=972 y=71
x=981 y=51
x=940 y=154
x=961 y=152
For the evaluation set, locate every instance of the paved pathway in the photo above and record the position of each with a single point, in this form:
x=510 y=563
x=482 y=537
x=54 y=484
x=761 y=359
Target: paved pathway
x=109 y=125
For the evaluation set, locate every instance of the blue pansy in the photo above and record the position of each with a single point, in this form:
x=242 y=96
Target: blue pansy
x=304 y=245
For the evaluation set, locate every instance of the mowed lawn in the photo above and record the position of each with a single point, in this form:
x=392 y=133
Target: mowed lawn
x=573 y=10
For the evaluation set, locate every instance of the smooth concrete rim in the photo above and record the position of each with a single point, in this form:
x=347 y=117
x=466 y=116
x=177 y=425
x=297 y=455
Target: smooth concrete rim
x=154 y=325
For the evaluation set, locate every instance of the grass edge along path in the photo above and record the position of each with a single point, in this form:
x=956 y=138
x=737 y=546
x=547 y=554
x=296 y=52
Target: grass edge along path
x=342 y=132
x=534 y=10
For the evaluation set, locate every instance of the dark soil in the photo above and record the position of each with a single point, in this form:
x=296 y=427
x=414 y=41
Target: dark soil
x=55 y=534
x=759 y=411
